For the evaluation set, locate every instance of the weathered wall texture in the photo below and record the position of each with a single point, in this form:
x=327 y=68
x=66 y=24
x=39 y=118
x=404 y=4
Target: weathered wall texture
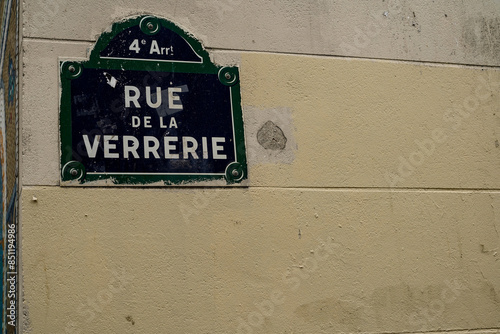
x=376 y=208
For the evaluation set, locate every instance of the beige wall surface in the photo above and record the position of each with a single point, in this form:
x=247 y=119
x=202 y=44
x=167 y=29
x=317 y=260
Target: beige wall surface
x=380 y=215
x=438 y=31
x=279 y=260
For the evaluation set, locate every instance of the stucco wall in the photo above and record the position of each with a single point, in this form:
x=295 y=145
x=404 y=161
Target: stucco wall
x=380 y=215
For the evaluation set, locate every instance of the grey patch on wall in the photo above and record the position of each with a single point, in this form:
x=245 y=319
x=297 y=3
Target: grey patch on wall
x=453 y=303
x=482 y=37
x=26 y=321
x=406 y=308
x=344 y=315
x=269 y=135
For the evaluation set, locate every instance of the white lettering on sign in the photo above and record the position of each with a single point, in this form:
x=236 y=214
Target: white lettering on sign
x=91 y=149
x=132 y=95
x=127 y=148
x=189 y=145
x=205 y=150
x=169 y=147
x=156 y=49
x=146 y=121
x=158 y=97
x=217 y=148
x=151 y=147
x=132 y=98
x=174 y=101
x=135 y=46
x=109 y=146
x=172 y=125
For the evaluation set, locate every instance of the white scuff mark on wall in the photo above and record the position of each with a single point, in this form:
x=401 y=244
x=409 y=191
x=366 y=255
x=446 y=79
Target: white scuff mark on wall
x=225 y=58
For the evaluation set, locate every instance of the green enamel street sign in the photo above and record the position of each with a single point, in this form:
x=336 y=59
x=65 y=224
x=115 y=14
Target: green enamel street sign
x=150 y=108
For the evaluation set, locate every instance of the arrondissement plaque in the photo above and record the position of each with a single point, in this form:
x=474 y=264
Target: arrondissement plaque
x=150 y=108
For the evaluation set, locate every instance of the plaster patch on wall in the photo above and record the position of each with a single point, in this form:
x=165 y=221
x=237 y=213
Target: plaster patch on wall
x=268 y=122
x=225 y=58
x=271 y=137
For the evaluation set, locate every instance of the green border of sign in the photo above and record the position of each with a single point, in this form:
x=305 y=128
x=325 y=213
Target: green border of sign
x=73 y=173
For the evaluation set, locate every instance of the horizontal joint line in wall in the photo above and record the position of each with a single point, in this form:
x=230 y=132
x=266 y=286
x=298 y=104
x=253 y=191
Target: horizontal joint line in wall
x=425 y=62
x=333 y=189
x=385 y=189
x=57 y=40
x=28 y=38
x=448 y=331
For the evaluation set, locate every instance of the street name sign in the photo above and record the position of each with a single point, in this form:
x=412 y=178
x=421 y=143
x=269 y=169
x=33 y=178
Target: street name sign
x=150 y=108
